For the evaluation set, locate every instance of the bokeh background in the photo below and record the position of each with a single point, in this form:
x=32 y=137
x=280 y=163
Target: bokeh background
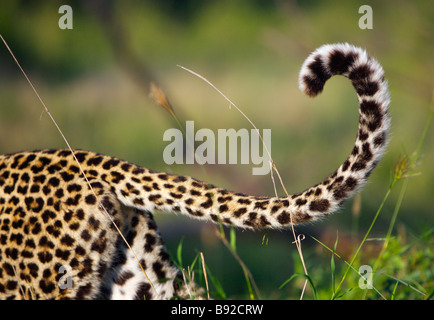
x=95 y=81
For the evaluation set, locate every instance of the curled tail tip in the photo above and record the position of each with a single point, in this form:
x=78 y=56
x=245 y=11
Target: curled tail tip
x=333 y=59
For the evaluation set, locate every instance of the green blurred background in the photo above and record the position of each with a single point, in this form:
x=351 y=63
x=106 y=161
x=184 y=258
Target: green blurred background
x=95 y=81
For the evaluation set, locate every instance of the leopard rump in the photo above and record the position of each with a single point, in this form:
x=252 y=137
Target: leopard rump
x=68 y=209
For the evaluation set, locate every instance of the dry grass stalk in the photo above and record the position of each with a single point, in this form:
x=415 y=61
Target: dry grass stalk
x=160 y=98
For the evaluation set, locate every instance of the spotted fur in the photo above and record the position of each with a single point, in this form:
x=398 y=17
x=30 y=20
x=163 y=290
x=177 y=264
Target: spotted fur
x=53 y=225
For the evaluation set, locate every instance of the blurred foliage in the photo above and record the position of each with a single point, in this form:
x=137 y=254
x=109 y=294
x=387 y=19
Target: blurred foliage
x=95 y=81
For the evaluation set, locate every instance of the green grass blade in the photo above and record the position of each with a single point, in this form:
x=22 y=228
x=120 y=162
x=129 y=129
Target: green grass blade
x=193 y=264
x=333 y=265
x=289 y=280
x=405 y=283
x=219 y=293
x=249 y=285
x=309 y=280
x=179 y=253
x=233 y=239
x=392 y=297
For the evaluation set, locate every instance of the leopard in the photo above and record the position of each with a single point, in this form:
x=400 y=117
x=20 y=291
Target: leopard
x=77 y=224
